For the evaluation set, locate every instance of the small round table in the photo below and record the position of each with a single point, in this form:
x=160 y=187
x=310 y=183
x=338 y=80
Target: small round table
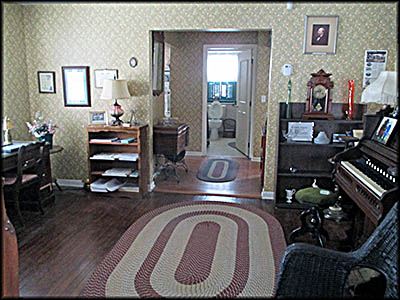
x=56 y=149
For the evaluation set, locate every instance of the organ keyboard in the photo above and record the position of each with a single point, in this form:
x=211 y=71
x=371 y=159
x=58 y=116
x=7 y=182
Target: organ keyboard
x=368 y=174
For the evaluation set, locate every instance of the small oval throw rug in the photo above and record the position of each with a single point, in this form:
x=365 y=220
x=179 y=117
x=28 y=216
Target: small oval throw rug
x=193 y=249
x=218 y=170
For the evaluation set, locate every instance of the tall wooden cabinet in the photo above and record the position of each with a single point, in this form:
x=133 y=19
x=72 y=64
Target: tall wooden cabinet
x=99 y=142
x=299 y=163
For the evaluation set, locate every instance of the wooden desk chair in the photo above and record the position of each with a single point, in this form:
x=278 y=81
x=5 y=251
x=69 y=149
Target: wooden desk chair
x=28 y=175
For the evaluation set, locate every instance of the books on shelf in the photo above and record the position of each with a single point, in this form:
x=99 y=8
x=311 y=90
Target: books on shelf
x=104 y=185
x=128 y=140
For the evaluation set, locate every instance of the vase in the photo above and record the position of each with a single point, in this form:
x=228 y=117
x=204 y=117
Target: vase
x=48 y=138
x=350 y=101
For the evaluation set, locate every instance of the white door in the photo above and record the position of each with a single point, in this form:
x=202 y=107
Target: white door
x=244 y=102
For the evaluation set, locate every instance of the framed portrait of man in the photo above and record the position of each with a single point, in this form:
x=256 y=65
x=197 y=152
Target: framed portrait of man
x=320 y=34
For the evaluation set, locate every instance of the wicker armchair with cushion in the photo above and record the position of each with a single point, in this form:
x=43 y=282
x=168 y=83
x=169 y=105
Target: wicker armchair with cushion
x=311 y=271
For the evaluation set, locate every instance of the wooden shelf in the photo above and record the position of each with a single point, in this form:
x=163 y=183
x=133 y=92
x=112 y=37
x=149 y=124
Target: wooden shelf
x=324 y=121
x=311 y=144
x=314 y=174
x=113 y=143
x=97 y=167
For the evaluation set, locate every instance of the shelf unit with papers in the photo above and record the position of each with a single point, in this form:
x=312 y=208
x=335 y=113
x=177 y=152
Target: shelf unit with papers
x=107 y=152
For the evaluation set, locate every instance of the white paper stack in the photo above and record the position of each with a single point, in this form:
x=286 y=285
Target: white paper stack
x=114 y=184
x=104 y=156
x=104 y=185
x=134 y=174
x=129 y=187
x=127 y=156
x=104 y=140
x=121 y=172
x=99 y=185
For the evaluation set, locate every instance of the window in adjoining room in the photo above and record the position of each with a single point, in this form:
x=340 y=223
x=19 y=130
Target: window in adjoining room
x=222 y=75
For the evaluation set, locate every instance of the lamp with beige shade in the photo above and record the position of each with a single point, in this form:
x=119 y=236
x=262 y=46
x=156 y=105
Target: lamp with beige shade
x=383 y=91
x=115 y=89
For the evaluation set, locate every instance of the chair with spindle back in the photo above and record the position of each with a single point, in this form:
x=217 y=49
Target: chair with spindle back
x=27 y=176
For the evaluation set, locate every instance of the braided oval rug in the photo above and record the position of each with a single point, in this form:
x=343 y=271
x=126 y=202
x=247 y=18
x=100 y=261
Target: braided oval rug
x=193 y=249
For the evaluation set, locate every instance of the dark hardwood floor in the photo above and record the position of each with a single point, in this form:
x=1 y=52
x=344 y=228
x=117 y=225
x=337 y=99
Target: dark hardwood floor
x=59 y=250
x=247 y=183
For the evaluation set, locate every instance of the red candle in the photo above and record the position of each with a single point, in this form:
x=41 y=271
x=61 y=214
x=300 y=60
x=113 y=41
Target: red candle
x=350 y=100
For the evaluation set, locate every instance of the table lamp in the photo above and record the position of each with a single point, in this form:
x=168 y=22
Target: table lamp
x=115 y=89
x=383 y=91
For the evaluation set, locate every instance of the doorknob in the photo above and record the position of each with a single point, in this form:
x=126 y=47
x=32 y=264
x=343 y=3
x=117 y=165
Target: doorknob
x=243 y=112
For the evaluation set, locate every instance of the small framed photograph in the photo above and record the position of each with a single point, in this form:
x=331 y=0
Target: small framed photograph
x=101 y=74
x=76 y=84
x=336 y=137
x=384 y=130
x=320 y=34
x=98 y=117
x=47 y=82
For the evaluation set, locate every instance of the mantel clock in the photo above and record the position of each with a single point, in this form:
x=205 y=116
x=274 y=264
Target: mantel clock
x=319 y=96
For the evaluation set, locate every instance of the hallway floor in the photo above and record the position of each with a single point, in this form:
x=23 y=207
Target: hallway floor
x=247 y=183
x=221 y=147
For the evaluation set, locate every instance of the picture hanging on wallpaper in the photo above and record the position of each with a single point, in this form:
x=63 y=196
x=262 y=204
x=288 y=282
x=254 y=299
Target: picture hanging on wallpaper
x=320 y=34
x=101 y=74
x=47 y=82
x=76 y=84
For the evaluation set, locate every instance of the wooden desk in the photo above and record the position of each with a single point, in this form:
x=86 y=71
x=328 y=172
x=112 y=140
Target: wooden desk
x=170 y=139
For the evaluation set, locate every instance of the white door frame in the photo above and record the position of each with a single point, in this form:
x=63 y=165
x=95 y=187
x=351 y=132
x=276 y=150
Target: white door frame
x=206 y=47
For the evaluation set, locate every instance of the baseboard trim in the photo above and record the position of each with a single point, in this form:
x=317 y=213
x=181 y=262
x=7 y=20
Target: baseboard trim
x=70 y=183
x=194 y=153
x=267 y=195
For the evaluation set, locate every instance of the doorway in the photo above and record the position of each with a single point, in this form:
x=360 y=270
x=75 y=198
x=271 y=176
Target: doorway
x=228 y=72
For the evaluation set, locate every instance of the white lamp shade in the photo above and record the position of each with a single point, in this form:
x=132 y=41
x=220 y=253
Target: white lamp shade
x=115 y=89
x=383 y=90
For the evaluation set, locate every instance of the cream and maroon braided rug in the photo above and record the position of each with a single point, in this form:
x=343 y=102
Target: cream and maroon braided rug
x=193 y=249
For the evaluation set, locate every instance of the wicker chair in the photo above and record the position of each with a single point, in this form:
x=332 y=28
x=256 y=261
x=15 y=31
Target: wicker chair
x=311 y=271
x=229 y=128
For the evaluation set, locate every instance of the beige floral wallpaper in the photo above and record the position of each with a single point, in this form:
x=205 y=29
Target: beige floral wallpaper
x=106 y=35
x=15 y=104
x=187 y=77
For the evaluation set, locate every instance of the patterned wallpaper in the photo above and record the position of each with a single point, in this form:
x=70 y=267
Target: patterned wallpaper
x=187 y=77
x=106 y=35
x=15 y=102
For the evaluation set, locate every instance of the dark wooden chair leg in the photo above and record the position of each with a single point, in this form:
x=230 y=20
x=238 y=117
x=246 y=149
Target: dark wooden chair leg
x=311 y=222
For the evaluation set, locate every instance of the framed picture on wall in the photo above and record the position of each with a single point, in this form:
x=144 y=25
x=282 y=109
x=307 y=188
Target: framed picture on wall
x=76 y=85
x=47 y=82
x=101 y=74
x=320 y=34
